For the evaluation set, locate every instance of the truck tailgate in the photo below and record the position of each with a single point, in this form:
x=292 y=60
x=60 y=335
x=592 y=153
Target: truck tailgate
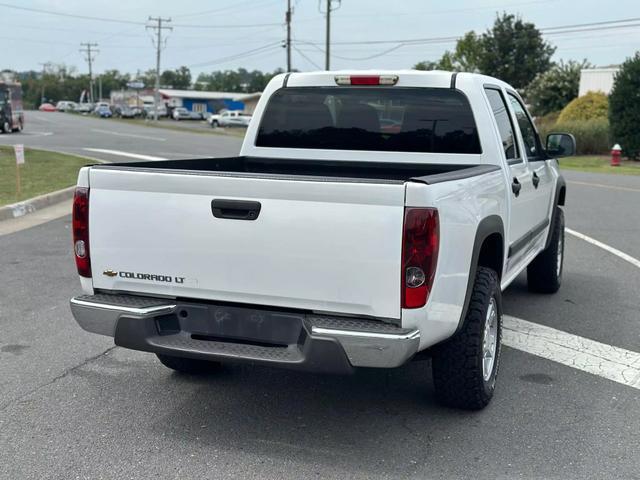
x=330 y=245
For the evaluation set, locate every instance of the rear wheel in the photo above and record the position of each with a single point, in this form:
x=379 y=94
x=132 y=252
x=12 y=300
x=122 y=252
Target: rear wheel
x=544 y=274
x=465 y=367
x=188 y=365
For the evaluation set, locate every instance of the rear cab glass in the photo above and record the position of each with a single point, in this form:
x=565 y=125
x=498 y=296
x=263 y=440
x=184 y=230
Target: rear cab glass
x=427 y=120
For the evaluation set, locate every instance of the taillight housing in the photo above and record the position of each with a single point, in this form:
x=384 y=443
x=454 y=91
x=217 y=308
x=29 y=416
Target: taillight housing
x=366 y=79
x=420 y=242
x=80 y=224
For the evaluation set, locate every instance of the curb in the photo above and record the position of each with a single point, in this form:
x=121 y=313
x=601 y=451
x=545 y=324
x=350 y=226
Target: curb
x=20 y=209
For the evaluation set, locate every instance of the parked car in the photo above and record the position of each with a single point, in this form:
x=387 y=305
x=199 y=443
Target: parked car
x=85 y=107
x=214 y=119
x=148 y=111
x=234 y=119
x=181 y=113
x=47 y=107
x=103 y=111
x=124 y=111
x=66 y=106
x=336 y=245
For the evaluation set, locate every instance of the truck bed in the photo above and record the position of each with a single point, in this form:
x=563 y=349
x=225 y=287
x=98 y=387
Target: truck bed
x=375 y=172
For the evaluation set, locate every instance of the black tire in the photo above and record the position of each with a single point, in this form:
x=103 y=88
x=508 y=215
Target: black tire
x=214 y=124
x=457 y=364
x=6 y=126
x=544 y=274
x=188 y=365
x=19 y=127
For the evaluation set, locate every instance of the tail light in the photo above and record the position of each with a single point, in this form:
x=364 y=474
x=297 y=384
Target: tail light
x=420 y=240
x=80 y=223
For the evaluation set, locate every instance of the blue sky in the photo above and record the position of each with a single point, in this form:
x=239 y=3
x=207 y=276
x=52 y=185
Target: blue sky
x=30 y=38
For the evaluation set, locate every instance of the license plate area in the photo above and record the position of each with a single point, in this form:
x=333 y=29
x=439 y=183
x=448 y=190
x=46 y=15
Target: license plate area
x=234 y=324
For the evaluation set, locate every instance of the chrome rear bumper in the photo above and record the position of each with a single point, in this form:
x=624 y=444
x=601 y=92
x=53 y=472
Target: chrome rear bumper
x=223 y=332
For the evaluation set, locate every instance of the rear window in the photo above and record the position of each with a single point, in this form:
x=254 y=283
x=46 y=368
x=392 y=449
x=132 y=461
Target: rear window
x=430 y=120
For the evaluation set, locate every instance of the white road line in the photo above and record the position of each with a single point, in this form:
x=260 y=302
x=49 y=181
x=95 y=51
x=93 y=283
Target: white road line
x=602 y=185
x=132 y=135
x=604 y=246
x=123 y=154
x=613 y=363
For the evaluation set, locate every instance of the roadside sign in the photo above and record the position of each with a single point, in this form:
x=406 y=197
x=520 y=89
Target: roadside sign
x=135 y=85
x=19 y=149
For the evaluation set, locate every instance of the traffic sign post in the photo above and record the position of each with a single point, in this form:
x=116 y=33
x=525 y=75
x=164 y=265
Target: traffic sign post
x=19 y=151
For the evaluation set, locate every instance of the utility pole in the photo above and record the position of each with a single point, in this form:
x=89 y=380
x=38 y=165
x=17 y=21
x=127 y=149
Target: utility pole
x=158 y=43
x=327 y=48
x=44 y=71
x=89 y=50
x=288 y=19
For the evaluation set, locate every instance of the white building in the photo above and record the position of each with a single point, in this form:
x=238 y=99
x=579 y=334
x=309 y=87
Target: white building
x=597 y=80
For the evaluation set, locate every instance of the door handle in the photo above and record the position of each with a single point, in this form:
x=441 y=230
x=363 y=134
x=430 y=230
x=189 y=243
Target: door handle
x=235 y=209
x=536 y=180
x=516 y=186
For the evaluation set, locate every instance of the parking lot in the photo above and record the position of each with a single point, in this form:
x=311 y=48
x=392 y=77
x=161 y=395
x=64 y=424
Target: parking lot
x=74 y=406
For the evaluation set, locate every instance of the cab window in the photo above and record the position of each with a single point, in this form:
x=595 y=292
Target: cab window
x=528 y=132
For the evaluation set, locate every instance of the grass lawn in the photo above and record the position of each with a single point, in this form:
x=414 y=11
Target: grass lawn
x=599 y=164
x=42 y=172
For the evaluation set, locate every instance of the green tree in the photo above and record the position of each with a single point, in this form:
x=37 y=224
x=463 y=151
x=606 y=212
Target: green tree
x=624 y=107
x=514 y=51
x=552 y=90
x=180 y=78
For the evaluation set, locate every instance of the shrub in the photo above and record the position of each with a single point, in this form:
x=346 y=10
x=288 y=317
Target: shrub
x=592 y=136
x=624 y=108
x=555 y=88
x=588 y=107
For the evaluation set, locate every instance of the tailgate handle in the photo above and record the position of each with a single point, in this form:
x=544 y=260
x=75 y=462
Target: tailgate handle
x=235 y=209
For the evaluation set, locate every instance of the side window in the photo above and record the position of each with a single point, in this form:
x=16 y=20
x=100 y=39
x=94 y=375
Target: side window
x=527 y=131
x=505 y=128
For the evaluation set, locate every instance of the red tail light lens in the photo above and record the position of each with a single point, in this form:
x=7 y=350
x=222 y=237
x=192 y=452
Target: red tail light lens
x=421 y=237
x=366 y=79
x=80 y=223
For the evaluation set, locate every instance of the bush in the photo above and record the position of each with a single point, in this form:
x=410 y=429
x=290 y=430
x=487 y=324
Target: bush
x=591 y=106
x=592 y=136
x=555 y=88
x=624 y=108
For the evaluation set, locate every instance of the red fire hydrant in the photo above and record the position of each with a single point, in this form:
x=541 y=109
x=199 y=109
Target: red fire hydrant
x=615 y=155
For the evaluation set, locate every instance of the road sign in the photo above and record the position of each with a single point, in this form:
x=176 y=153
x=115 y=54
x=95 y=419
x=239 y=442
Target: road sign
x=135 y=85
x=19 y=149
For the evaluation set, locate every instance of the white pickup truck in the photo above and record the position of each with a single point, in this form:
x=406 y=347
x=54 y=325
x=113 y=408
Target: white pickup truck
x=371 y=218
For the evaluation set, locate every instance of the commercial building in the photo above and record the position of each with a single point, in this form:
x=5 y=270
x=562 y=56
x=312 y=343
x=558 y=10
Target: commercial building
x=597 y=79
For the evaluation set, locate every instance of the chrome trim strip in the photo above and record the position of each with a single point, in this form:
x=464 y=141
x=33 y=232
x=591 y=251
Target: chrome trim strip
x=351 y=333
x=131 y=310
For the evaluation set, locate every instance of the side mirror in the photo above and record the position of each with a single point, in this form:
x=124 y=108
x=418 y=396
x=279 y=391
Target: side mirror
x=560 y=145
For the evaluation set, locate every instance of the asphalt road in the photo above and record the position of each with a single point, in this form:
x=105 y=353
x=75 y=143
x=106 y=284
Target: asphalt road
x=73 y=406
x=83 y=135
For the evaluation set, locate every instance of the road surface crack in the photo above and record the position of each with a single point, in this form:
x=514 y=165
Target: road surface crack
x=55 y=379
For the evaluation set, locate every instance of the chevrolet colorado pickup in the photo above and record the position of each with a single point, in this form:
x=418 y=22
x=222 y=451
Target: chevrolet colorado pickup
x=370 y=218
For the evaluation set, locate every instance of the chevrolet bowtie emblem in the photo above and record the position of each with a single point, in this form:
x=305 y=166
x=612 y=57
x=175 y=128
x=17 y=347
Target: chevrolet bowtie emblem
x=110 y=273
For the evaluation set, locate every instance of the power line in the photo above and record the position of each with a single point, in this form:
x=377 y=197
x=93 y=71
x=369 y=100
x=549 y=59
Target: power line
x=158 y=43
x=70 y=15
x=89 y=50
x=254 y=51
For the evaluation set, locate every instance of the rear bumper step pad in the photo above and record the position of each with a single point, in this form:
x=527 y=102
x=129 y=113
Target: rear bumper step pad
x=229 y=333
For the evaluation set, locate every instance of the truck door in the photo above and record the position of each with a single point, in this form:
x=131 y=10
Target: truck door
x=519 y=179
x=542 y=178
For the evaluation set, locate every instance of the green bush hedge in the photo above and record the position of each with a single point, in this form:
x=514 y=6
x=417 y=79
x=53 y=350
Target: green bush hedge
x=587 y=107
x=592 y=136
